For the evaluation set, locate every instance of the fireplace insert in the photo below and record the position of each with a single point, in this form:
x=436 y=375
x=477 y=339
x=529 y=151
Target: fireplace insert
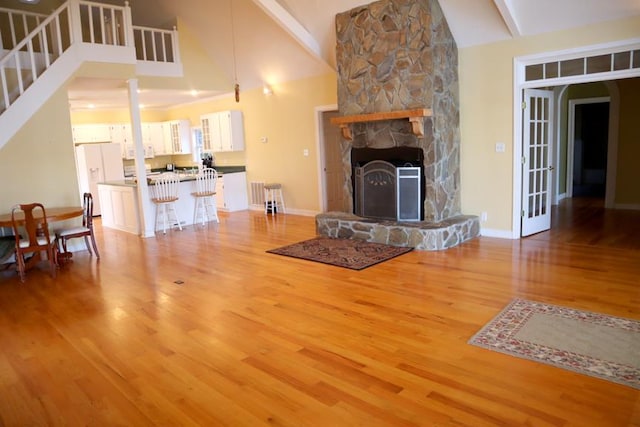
x=388 y=183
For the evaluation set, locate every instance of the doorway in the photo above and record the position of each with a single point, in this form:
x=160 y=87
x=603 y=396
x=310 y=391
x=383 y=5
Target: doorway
x=588 y=147
x=330 y=158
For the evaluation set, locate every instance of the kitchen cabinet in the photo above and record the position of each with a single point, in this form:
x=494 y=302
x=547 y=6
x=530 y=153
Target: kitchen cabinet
x=91 y=133
x=119 y=207
x=222 y=131
x=231 y=192
x=153 y=139
x=121 y=134
x=177 y=136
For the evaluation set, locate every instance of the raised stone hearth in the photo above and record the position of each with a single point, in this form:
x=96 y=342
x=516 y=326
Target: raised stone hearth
x=428 y=236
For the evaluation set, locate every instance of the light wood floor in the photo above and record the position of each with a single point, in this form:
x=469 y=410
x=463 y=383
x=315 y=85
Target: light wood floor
x=202 y=327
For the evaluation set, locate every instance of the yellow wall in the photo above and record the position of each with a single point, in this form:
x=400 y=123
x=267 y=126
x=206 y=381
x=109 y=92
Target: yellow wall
x=486 y=116
x=287 y=119
x=38 y=163
x=628 y=172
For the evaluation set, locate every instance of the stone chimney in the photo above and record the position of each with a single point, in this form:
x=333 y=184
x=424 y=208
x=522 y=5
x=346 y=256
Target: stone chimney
x=397 y=55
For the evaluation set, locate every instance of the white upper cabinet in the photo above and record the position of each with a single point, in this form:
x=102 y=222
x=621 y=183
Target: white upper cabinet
x=91 y=133
x=121 y=134
x=223 y=131
x=153 y=138
x=177 y=134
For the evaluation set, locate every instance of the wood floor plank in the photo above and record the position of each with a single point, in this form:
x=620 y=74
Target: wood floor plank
x=203 y=327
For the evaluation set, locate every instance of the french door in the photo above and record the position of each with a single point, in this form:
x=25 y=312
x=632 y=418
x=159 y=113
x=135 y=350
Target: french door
x=536 y=161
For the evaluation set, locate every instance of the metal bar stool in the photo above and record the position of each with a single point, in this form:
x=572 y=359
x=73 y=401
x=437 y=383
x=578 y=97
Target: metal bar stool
x=273 y=199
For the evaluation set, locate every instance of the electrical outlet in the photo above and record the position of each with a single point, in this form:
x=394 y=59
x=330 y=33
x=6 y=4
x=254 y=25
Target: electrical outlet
x=501 y=147
x=483 y=217
x=305 y=152
x=264 y=139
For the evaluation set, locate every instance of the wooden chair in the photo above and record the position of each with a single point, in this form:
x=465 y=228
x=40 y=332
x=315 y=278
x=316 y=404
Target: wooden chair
x=32 y=236
x=205 y=196
x=86 y=230
x=165 y=195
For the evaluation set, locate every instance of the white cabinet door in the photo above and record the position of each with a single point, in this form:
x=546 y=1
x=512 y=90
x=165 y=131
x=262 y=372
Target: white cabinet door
x=91 y=133
x=205 y=124
x=223 y=131
x=153 y=139
x=231 y=192
x=119 y=208
x=231 y=131
x=121 y=134
x=178 y=134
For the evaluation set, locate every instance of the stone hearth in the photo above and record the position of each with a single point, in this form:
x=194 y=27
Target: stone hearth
x=429 y=236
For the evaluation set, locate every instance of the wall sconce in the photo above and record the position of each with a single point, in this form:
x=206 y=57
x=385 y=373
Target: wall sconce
x=267 y=90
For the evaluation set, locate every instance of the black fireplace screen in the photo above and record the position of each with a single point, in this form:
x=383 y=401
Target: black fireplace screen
x=375 y=191
x=388 y=183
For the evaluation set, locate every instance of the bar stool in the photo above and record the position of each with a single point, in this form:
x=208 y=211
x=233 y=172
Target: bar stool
x=273 y=199
x=205 y=196
x=165 y=195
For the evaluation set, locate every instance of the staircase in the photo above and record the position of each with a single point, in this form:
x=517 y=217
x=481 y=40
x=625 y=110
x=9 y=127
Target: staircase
x=40 y=53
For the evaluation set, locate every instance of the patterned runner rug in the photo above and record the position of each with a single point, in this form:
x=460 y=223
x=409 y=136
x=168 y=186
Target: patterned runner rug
x=349 y=253
x=589 y=343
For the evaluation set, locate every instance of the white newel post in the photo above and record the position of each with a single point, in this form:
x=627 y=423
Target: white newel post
x=75 y=23
x=128 y=31
x=145 y=216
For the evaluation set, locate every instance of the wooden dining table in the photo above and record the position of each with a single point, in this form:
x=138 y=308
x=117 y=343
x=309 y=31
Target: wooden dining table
x=54 y=214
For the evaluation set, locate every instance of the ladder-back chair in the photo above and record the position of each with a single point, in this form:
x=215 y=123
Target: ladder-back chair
x=31 y=232
x=86 y=230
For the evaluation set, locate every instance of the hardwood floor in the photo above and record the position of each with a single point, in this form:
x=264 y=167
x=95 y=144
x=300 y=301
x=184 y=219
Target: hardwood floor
x=202 y=327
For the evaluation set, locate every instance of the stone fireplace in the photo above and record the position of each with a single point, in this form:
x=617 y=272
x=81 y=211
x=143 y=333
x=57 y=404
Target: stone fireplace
x=398 y=89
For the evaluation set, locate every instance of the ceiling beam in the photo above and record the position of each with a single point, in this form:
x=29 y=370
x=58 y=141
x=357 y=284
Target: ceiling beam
x=506 y=9
x=291 y=25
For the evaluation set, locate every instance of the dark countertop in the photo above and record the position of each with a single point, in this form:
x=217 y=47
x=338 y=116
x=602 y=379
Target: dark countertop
x=132 y=182
x=220 y=169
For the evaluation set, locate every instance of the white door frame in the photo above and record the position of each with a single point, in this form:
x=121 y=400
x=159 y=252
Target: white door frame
x=520 y=83
x=322 y=179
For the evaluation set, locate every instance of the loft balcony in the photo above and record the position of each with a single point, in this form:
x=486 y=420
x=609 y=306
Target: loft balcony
x=39 y=53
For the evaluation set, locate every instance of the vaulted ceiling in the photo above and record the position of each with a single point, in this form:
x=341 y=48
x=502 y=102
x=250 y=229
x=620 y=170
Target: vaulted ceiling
x=272 y=41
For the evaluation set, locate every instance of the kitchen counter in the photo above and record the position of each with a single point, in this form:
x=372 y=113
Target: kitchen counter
x=122 y=211
x=219 y=169
x=184 y=173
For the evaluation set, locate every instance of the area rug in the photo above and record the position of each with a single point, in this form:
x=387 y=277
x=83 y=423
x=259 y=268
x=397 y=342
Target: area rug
x=349 y=253
x=593 y=344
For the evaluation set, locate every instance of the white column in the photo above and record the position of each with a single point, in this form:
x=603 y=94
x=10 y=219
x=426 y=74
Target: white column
x=146 y=216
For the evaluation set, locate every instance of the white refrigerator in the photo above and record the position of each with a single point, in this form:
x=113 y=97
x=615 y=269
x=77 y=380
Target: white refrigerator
x=98 y=163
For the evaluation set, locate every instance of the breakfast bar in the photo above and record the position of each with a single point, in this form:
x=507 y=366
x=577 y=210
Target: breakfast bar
x=121 y=211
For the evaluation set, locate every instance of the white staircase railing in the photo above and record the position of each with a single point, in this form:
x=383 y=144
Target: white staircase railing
x=28 y=58
x=95 y=31
x=15 y=25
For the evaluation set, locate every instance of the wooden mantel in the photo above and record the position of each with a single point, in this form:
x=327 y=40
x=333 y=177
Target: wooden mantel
x=414 y=117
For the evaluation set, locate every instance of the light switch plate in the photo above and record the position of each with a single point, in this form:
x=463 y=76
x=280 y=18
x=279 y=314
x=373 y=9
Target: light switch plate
x=500 y=147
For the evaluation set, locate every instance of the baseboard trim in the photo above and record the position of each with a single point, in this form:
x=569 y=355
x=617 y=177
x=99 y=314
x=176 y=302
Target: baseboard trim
x=492 y=232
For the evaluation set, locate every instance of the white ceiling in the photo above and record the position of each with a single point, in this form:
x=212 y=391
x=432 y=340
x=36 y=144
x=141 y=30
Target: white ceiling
x=282 y=40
